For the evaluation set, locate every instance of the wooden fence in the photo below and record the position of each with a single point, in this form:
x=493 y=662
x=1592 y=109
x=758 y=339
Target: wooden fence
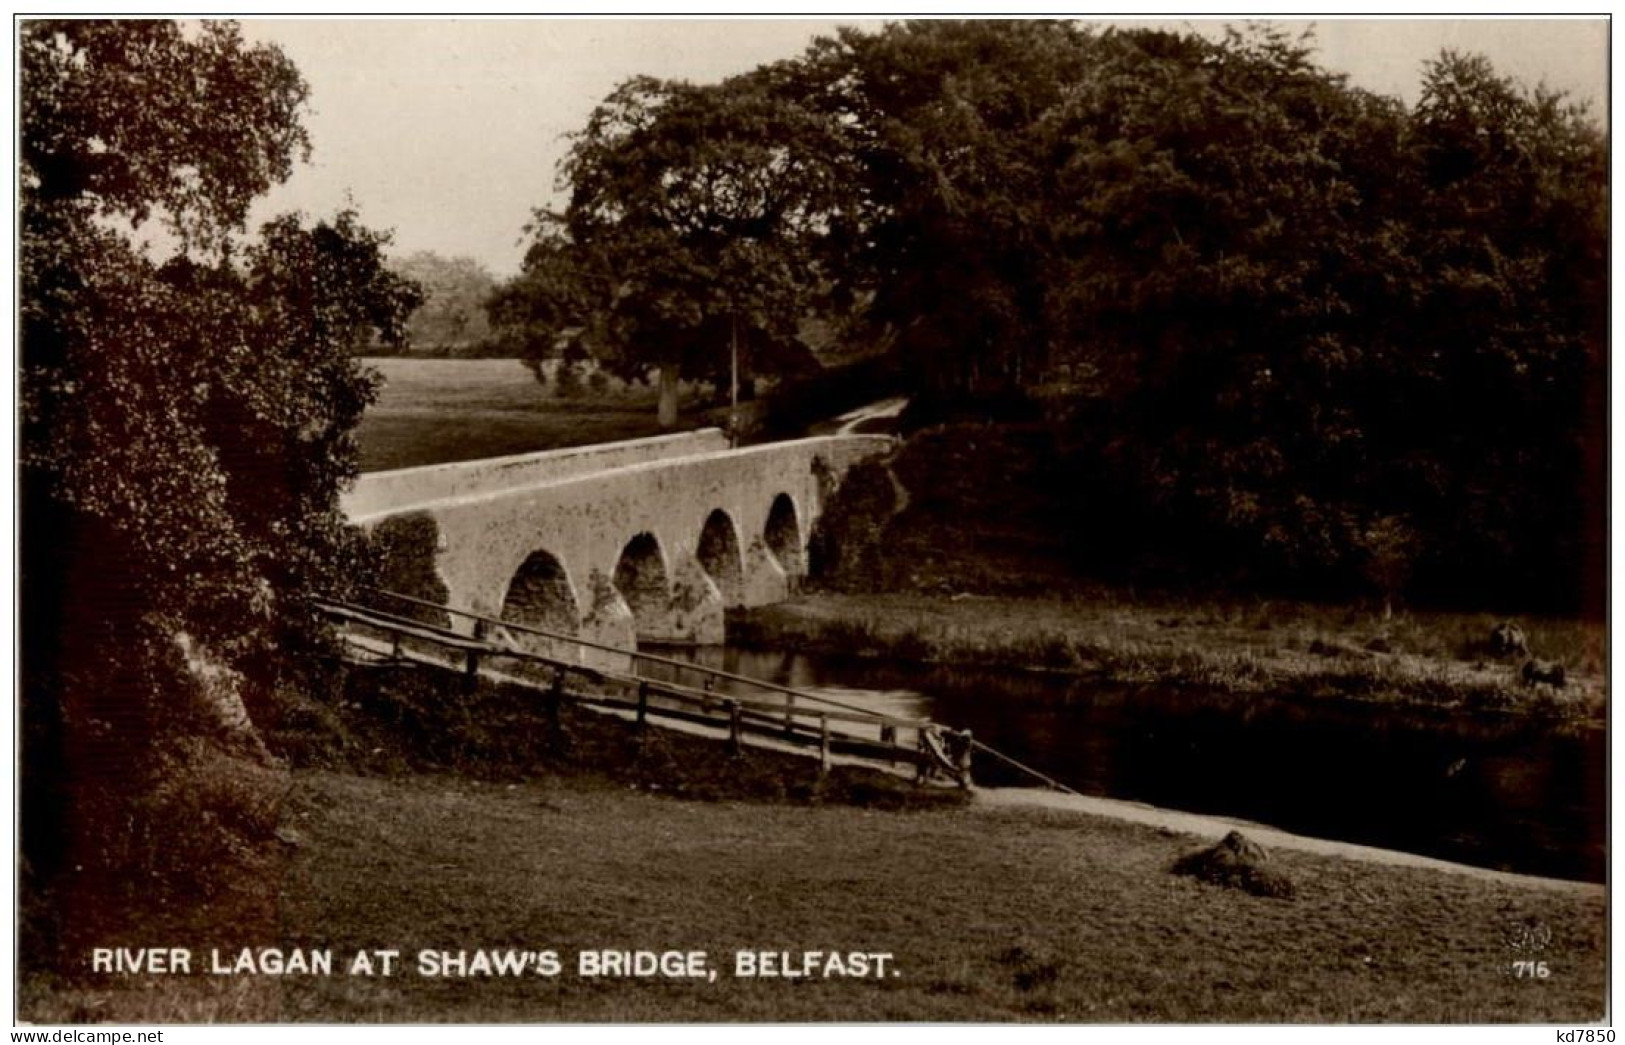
x=772 y=715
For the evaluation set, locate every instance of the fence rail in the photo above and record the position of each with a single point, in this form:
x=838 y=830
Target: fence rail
x=796 y=717
x=780 y=716
x=634 y=655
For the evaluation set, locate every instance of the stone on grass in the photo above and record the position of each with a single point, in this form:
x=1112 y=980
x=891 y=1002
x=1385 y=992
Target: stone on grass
x=1237 y=862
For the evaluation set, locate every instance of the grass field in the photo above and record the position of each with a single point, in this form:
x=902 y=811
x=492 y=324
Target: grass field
x=1037 y=915
x=434 y=410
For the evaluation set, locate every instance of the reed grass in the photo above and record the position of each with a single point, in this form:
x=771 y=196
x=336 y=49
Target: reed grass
x=1285 y=649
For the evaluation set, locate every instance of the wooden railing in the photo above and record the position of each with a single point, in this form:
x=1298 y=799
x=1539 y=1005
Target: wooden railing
x=773 y=713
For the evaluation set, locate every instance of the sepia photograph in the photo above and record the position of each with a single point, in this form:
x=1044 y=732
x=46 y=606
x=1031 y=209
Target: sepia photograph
x=866 y=520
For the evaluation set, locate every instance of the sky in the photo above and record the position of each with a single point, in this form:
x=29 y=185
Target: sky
x=448 y=132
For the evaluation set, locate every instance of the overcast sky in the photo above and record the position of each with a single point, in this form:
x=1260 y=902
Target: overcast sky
x=448 y=132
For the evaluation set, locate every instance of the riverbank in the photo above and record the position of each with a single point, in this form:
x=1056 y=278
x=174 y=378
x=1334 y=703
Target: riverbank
x=1026 y=914
x=1284 y=649
x=1214 y=828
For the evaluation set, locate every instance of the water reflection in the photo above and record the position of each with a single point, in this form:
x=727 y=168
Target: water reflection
x=1499 y=792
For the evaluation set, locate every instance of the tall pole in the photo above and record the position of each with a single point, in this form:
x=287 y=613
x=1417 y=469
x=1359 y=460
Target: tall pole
x=733 y=382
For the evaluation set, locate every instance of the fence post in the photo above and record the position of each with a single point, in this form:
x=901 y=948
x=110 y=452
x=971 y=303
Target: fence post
x=734 y=741
x=789 y=714
x=962 y=758
x=555 y=698
x=823 y=743
x=643 y=704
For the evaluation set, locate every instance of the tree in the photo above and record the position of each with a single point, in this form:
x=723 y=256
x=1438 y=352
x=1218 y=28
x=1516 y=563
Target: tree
x=1511 y=232
x=452 y=317
x=1320 y=338
x=185 y=425
x=949 y=225
x=551 y=309
x=687 y=238
x=1203 y=278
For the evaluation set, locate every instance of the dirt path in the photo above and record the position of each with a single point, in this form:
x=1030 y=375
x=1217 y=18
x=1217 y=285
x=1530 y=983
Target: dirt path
x=1215 y=827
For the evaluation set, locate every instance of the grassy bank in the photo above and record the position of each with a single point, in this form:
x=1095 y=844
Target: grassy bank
x=402 y=721
x=1017 y=915
x=1279 y=648
x=418 y=816
x=396 y=727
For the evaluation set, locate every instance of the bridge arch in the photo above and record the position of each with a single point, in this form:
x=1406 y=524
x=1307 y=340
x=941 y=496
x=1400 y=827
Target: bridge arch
x=540 y=595
x=782 y=534
x=644 y=582
x=719 y=556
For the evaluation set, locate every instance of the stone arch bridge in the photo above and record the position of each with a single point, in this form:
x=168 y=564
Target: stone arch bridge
x=647 y=540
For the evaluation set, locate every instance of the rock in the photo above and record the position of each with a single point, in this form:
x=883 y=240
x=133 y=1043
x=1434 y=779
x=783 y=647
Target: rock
x=219 y=700
x=1244 y=848
x=1237 y=862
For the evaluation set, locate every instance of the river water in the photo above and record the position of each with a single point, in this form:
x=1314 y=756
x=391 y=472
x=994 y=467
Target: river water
x=1504 y=792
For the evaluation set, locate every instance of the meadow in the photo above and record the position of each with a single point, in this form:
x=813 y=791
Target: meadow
x=435 y=410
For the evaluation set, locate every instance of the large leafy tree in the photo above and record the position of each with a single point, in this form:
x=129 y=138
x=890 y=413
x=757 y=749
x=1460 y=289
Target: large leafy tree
x=1212 y=228
x=949 y=226
x=186 y=423
x=689 y=233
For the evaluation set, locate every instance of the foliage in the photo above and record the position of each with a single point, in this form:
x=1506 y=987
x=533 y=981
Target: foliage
x=689 y=233
x=950 y=226
x=136 y=118
x=403 y=548
x=1301 y=331
x=452 y=319
x=185 y=425
x=1293 y=331
x=547 y=311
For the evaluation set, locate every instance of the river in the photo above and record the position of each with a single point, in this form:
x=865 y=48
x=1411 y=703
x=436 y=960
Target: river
x=1505 y=792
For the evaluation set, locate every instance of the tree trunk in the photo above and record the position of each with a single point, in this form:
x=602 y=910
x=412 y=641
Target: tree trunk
x=668 y=395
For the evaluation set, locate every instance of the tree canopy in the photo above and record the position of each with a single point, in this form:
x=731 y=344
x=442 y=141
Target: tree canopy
x=689 y=232
x=1294 y=326
x=186 y=422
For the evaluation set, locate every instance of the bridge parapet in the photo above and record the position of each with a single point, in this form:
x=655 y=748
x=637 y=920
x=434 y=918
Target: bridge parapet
x=383 y=493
